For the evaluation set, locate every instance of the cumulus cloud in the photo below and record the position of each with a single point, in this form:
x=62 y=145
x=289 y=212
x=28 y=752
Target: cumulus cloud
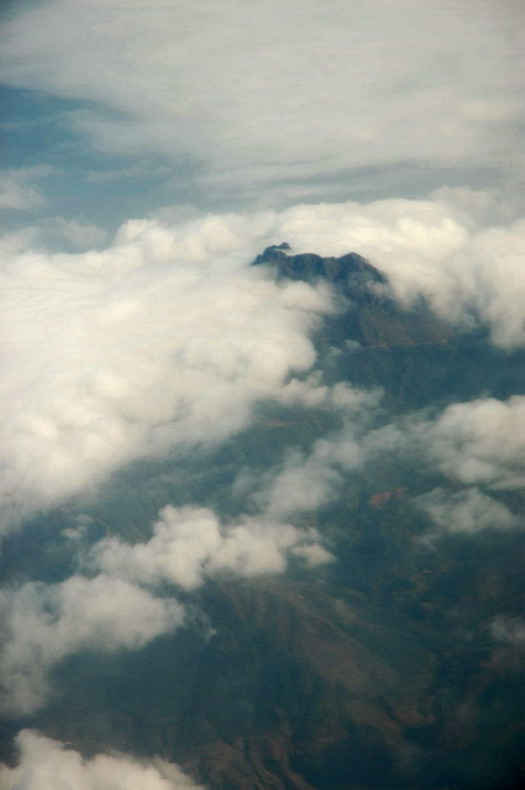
x=481 y=441
x=168 y=337
x=303 y=484
x=341 y=397
x=44 y=623
x=466 y=511
x=305 y=481
x=445 y=249
x=261 y=94
x=164 y=339
x=189 y=544
x=477 y=443
x=47 y=764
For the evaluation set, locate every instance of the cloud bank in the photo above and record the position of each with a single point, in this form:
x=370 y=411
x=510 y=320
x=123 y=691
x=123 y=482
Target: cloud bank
x=47 y=764
x=457 y=249
x=167 y=338
x=241 y=95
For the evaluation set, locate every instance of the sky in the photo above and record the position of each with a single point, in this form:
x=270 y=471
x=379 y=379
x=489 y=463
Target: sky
x=149 y=153
x=118 y=109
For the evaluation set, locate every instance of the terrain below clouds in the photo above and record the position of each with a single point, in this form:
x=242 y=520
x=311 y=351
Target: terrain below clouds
x=332 y=572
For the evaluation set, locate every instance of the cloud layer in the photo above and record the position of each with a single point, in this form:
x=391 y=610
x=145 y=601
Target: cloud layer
x=240 y=94
x=47 y=764
x=167 y=338
x=458 y=249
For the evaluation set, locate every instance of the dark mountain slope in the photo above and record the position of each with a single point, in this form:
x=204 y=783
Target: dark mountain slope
x=415 y=356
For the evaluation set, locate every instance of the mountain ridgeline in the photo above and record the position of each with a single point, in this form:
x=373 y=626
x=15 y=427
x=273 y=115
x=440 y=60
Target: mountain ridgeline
x=368 y=314
x=413 y=354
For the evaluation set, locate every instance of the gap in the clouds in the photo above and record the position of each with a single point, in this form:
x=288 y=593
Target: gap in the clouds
x=82 y=183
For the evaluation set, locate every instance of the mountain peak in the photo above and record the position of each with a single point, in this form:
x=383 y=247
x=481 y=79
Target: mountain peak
x=351 y=272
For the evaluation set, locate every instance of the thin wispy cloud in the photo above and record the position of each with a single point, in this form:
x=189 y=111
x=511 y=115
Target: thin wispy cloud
x=19 y=190
x=244 y=93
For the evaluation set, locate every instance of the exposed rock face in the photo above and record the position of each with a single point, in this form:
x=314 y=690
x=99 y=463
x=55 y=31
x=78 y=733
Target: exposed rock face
x=351 y=273
x=368 y=313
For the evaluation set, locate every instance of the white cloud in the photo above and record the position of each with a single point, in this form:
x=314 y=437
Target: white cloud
x=47 y=764
x=44 y=623
x=164 y=339
x=189 y=544
x=302 y=484
x=481 y=441
x=272 y=93
x=440 y=248
x=167 y=337
x=340 y=397
x=305 y=481
x=467 y=511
